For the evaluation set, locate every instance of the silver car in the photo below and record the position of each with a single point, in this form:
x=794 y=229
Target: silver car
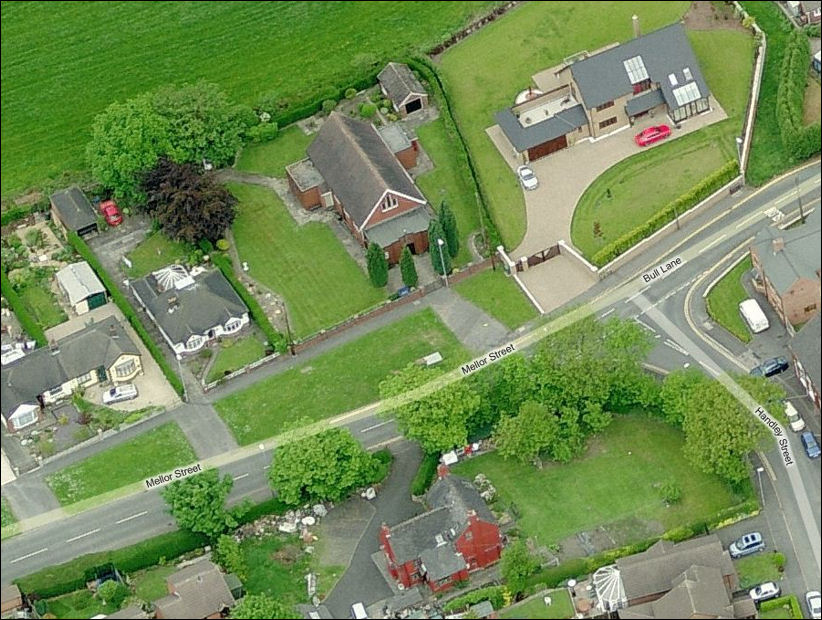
x=527 y=177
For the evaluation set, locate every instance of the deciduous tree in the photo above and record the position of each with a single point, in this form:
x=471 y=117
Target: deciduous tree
x=524 y=436
x=262 y=607
x=229 y=556
x=516 y=565
x=377 y=265
x=449 y=228
x=407 y=268
x=198 y=503
x=439 y=253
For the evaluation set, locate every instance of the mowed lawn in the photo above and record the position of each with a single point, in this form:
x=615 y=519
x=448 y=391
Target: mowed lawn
x=449 y=181
x=724 y=299
x=633 y=190
x=155 y=252
x=334 y=382
x=484 y=73
x=499 y=296
x=232 y=354
x=42 y=304
x=307 y=265
x=64 y=62
x=560 y=607
x=617 y=478
x=271 y=158
x=158 y=450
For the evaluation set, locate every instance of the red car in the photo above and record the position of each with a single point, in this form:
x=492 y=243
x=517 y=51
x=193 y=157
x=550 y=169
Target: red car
x=653 y=134
x=110 y=211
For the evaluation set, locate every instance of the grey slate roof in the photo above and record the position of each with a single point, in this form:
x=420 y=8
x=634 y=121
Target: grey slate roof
x=79 y=282
x=132 y=612
x=99 y=344
x=442 y=561
x=800 y=258
x=807 y=346
x=523 y=138
x=210 y=302
x=74 y=208
x=399 y=82
x=387 y=232
x=460 y=497
x=304 y=173
x=410 y=538
x=699 y=592
x=602 y=77
x=644 y=102
x=200 y=591
x=358 y=166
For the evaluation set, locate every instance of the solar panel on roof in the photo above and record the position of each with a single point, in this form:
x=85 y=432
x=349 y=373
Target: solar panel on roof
x=686 y=94
x=636 y=69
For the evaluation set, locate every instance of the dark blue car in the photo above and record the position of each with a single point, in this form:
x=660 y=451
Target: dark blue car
x=810 y=444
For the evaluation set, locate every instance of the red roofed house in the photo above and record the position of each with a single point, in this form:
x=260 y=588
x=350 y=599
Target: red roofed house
x=361 y=173
x=459 y=534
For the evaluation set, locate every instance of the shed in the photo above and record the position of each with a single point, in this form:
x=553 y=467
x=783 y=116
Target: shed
x=402 y=87
x=81 y=286
x=72 y=211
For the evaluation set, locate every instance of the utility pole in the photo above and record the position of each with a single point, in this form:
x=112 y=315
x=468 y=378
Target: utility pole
x=799 y=199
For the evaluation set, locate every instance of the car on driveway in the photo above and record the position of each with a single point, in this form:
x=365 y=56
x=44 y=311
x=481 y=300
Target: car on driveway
x=120 y=393
x=810 y=444
x=746 y=545
x=649 y=136
x=527 y=177
x=111 y=212
x=814 y=601
x=771 y=367
x=765 y=592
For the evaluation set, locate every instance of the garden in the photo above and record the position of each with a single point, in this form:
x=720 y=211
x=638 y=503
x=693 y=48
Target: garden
x=155 y=252
x=724 y=299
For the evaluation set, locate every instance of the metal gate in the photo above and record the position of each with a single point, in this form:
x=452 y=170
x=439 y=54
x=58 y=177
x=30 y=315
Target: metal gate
x=539 y=257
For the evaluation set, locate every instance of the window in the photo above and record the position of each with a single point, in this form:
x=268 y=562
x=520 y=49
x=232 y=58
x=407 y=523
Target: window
x=125 y=369
x=30 y=417
x=811 y=307
x=605 y=106
x=672 y=79
x=233 y=325
x=83 y=379
x=194 y=343
x=687 y=73
x=55 y=393
x=642 y=86
x=390 y=202
x=469 y=535
x=608 y=122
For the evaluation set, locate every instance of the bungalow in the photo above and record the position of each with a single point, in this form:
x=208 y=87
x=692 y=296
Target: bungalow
x=197 y=591
x=787 y=269
x=193 y=309
x=81 y=287
x=99 y=353
x=458 y=534
x=401 y=86
x=361 y=173
x=71 y=210
x=806 y=349
x=593 y=94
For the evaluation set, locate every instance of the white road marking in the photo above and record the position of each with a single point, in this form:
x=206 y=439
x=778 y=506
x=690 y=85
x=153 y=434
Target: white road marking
x=645 y=325
x=26 y=557
x=709 y=369
x=675 y=346
x=266 y=466
x=376 y=426
x=241 y=476
x=747 y=219
x=83 y=535
x=139 y=514
x=713 y=243
x=637 y=294
x=604 y=314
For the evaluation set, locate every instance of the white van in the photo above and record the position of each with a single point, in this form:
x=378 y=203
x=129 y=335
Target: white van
x=794 y=419
x=120 y=393
x=358 y=611
x=754 y=316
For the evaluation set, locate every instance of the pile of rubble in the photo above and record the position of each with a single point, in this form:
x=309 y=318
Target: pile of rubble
x=486 y=490
x=292 y=522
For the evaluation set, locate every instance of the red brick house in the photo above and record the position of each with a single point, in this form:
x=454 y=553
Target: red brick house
x=806 y=349
x=458 y=534
x=361 y=173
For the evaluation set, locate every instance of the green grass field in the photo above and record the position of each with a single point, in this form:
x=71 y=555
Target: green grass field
x=64 y=62
x=42 y=304
x=155 y=252
x=449 y=181
x=337 y=381
x=499 y=296
x=485 y=72
x=759 y=567
x=620 y=199
x=561 y=607
x=307 y=265
x=615 y=482
x=79 y=604
x=150 y=584
x=6 y=515
x=233 y=354
x=724 y=299
x=271 y=158
x=158 y=450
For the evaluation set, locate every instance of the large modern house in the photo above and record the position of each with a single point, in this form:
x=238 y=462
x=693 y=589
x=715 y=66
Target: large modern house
x=99 y=353
x=593 y=94
x=191 y=309
x=362 y=174
x=440 y=547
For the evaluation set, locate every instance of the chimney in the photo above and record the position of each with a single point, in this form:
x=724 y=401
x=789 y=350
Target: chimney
x=442 y=471
x=637 y=29
x=778 y=244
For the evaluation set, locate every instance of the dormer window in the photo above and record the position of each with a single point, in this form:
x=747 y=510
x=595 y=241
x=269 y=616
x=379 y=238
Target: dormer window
x=390 y=202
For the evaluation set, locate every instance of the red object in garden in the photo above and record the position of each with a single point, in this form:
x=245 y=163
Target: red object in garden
x=111 y=212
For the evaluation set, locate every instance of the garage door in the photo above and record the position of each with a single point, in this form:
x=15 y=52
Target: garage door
x=546 y=148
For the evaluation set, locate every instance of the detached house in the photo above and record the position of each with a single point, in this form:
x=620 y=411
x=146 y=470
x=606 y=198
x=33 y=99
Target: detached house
x=71 y=211
x=193 y=309
x=593 y=94
x=361 y=173
x=401 y=86
x=457 y=535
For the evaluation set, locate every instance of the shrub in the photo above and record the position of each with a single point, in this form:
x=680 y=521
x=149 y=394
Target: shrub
x=328 y=106
x=27 y=321
x=223 y=245
x=112 y=592
x=799 y=140
x=367 y=110
x=264 y=132
x=490 y=593
x=670 y=492
x=384 y=459
x=350 y=93
x=425 y=474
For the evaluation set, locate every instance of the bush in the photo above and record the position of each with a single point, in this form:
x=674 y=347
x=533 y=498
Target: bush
x=264 y=132
x=223 y=245
x=27 y=321
x=367 y=110
x=112 y=592
x=350 y=93
x=425 y=474
x=491 y=593
x=205 y=246
x=670 y=492
x=799 y=140
x=384 y=459
x=328 y=106
x=675 y=208
x=783 y=601
x=128 y=311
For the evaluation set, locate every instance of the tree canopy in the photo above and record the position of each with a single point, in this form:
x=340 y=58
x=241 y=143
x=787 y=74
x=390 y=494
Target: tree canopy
x=261 y=607
x=198 y=503
x=516 y=565
x=448 y=221
x=440 y=255
x=377 y=265
x=407 y=268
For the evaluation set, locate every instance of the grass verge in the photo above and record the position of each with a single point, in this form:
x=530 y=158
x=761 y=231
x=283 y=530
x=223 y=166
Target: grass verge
x=724 y=299
x=499 y=296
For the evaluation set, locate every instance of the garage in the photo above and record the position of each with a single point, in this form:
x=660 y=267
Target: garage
x=546 y=148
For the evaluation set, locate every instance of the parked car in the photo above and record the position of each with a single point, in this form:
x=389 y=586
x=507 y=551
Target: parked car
x=120 y=393
x=752 y=314
x=794 y=419
x=814 y=601
x=111 y=212
x=765 y=592
x=810 y=444
x=358 y=611
x=527 y=177
x=746 y=545
x=646 y=137
x=771 y=367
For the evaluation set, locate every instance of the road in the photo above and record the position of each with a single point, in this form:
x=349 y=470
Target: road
x=659 y=306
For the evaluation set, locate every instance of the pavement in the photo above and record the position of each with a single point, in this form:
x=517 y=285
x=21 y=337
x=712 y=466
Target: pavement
x=475 y=329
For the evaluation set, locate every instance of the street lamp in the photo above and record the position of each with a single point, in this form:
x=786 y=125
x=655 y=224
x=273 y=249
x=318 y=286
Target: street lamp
x=739 y=143
x=759 y=471
x=799 y=199
x=441 y=245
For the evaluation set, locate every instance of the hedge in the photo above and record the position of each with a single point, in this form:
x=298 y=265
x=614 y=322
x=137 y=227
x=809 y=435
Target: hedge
x=275 y=339
x=425 y=474
x=799 y=140
x=72 y=575
x=675 y=208
x=306 y=109
x=790 y=600
x=27 y=321
x=16 y=213
x=491 y=593
x=128 y=311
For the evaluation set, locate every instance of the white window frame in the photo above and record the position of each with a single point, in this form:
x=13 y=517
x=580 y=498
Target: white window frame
x=130 y=364
x=233 y=325
x=196 y=338
x=27 y=419
x=390 y=202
